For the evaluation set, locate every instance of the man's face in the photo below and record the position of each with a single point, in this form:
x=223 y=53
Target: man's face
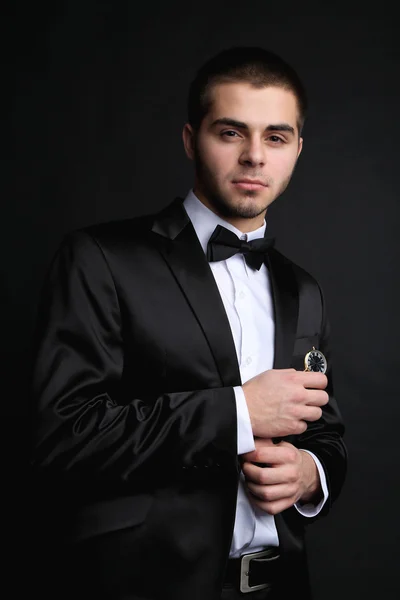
x=245 y=151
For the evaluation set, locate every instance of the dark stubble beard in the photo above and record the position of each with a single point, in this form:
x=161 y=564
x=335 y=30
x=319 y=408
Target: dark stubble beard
x=223 y=205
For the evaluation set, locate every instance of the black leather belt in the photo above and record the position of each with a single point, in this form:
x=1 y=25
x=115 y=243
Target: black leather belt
x=256 y=571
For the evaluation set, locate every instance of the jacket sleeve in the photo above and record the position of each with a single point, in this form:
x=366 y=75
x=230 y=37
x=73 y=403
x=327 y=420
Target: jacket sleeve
x=325 y=437
x=81 y=429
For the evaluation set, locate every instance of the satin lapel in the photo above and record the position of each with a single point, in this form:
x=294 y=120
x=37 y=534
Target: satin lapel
x=185 y=257
x=286 y=305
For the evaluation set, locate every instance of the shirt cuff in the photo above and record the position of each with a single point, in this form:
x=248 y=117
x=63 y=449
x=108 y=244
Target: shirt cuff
x=245 y=438
x=312 y=510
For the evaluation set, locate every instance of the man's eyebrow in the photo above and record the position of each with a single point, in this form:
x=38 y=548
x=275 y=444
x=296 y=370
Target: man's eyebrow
x=231 y=122
x=280 y=127
x=240 y=125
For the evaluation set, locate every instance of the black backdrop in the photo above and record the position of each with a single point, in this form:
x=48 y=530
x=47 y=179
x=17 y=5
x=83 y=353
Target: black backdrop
x=97 y=114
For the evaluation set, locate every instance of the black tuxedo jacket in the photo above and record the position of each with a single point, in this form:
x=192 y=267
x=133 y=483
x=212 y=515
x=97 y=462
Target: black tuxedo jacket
x=134 y=415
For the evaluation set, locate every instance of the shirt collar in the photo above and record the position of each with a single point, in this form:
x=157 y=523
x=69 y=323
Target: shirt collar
x=205 y=221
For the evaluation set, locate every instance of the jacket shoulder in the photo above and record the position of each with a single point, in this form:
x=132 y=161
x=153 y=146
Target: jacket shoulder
x=109 y=235
x=119 y=231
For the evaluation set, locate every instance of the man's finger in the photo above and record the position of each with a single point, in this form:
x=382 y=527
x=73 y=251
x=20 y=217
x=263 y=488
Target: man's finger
x=313 y=380
x=317 y=398
x=278 y=454
x=272 y=493
x=273 y=508
x=311 y=413
x=263 y=443
x=270 y=456
x=264 y=476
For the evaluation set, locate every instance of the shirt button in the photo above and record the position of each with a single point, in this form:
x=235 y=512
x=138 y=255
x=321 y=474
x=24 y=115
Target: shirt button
x=242 y=295
x=248 y=360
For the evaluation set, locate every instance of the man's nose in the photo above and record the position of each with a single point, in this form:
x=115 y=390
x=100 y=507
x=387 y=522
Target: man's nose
x=253 y=154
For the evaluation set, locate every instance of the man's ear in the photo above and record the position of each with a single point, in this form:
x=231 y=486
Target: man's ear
x=300 y=147
x=188 y=140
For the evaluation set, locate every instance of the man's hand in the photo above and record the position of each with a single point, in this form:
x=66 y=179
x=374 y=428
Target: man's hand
x=291 y=476
x=281 y=401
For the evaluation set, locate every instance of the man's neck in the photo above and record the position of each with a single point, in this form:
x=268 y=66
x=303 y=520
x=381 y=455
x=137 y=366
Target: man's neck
x=245 y=225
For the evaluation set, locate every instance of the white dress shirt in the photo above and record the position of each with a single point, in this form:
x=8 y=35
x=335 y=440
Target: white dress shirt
x=247 y=298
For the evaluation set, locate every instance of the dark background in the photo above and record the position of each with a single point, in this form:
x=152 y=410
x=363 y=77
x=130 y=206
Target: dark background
x=98 y=109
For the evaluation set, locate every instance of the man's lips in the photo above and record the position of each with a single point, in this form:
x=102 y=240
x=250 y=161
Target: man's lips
x=249 y=184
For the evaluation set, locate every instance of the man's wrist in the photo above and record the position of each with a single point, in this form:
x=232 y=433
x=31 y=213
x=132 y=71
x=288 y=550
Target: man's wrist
x=312 y=493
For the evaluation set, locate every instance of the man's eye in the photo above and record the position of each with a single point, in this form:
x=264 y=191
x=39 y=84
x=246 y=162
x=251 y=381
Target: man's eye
x=229 y=133
x=276 y=139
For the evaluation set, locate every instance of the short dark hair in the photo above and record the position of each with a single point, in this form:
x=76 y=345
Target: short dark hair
x=257 y=66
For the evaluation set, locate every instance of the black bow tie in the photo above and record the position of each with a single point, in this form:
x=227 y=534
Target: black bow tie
x=224 y=243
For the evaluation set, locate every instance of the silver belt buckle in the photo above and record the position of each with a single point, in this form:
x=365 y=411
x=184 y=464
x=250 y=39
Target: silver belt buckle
x=245 y=588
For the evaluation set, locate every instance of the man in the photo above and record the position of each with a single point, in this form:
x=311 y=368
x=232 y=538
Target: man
x=174 y=420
